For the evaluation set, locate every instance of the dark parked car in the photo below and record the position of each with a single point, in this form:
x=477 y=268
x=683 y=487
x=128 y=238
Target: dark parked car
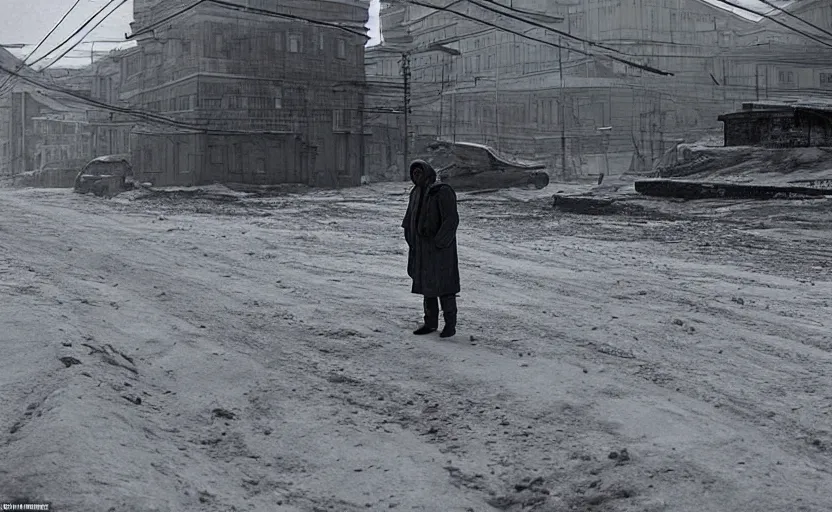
x=105 y=176
x=466 y=165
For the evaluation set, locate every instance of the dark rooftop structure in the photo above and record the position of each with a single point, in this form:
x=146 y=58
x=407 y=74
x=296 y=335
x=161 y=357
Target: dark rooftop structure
x=787 y=123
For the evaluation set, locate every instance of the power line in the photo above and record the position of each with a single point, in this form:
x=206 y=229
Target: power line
x=236 y=7
x=105 y=106
x=787 y=13
x=23 y=63
x=78 y=31
x=153 y=117
x=775 y=20
x=540 y=25
x=84 y=37
x=649 y=69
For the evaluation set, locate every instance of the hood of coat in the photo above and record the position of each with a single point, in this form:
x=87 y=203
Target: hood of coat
x=428 y=169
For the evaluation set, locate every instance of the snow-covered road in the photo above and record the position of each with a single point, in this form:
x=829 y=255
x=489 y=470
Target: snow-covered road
x=184 y=354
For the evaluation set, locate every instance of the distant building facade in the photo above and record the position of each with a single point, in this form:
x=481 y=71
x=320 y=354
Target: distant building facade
x=384 y=119
x=775 y=62
x=257 y=98
x=508 y=91
x=42 y=128
x=111 y=131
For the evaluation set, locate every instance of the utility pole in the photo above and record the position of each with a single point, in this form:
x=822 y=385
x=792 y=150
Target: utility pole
x=442 y=100
x=406 y=74
x=562 y=112
x=406 y=77
x=453 y=113
x=23 y=129
x=363 y=141
x=497 y=105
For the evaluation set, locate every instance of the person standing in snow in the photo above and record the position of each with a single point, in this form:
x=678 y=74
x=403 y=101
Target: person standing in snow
x=430 y=230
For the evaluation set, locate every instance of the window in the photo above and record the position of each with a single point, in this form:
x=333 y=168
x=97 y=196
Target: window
x=341 y=153
x=294 y=43
x=278 y=98
x=786 y=77
x=342 y=49
x=826 y=79
x=340 y=120
x=237 y=102
x=147 y=157
x=212 y=103
x=278 y=41
x=321 y=45
x=218 y=44
x=217 y=154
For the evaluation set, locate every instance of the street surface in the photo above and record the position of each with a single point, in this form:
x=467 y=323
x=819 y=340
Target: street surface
x=180 y=354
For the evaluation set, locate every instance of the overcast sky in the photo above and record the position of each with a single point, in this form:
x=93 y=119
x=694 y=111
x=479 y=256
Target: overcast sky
x=27 y=21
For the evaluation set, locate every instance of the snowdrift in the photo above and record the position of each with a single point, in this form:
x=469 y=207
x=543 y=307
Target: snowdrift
x=746 y=164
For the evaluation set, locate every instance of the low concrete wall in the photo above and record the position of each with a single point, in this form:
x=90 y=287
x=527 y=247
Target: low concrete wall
x=59 y=178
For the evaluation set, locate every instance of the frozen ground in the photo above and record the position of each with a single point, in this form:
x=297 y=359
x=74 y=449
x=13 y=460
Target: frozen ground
x=184 y=354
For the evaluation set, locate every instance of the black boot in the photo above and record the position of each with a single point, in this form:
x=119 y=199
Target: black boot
x=449 y=313
x=431 y=307
x=450 y=325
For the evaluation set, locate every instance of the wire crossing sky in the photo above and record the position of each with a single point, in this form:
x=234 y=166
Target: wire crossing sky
x=30 y=20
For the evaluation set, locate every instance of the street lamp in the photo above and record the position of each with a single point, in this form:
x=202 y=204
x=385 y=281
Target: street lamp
x=435 y=47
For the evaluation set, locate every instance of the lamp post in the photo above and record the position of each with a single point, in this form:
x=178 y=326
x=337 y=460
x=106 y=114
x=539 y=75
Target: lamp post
x=406 y=77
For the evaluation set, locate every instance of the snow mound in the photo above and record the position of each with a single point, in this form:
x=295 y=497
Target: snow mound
x=215 y=189
x=743 y=164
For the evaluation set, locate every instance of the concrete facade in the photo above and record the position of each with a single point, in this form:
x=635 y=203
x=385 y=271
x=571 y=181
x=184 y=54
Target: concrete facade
x=110 y=130
x=774 y=62
x=507 y=91
x=273 y=100
x=41 y=128
x=384 y=122
x=10 y=157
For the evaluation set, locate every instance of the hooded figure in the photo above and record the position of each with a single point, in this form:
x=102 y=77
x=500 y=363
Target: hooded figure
x=430 y=230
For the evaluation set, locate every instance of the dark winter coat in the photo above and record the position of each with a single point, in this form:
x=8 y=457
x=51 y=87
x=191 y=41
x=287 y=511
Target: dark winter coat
x=430 y=230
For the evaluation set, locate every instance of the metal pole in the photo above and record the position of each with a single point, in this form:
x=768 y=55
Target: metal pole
x=92 y=53
x=361 y=156
x=23 y=129
x=562 y=112
x=497 y=108
x=757 y=80
x=406 y=74
x=453 y=114
x=442 y=100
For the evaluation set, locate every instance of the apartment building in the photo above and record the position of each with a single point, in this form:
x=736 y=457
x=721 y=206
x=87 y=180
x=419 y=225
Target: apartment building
x=42 y=128
x=260 y=94
x=110 y=130
x=522 y=94
x=773 y=61
x=384 y=118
